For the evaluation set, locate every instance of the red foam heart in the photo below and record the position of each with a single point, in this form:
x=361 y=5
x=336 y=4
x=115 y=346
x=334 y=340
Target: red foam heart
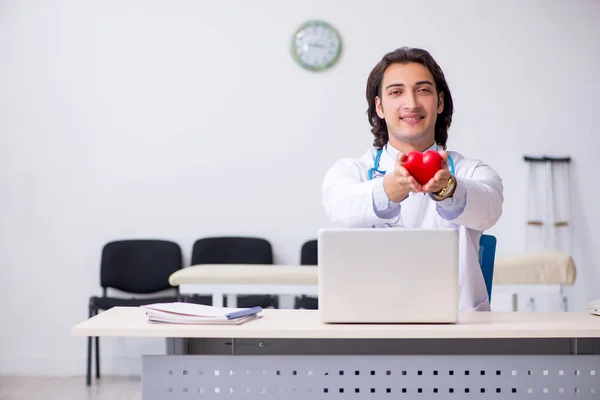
x=423 y=166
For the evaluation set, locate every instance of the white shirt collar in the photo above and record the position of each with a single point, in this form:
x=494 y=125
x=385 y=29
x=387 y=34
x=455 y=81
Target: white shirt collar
x=393 y=152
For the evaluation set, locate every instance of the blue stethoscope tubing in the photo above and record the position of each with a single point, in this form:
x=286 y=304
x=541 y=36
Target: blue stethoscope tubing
x=378 y=156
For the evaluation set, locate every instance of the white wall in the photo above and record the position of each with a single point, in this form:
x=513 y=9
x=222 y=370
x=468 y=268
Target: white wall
x=183 y=119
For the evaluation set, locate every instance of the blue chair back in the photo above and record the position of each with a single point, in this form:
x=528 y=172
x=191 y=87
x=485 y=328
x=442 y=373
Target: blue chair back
x=487 y=255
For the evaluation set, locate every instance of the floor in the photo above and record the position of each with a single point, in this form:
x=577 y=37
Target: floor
x=69 y=388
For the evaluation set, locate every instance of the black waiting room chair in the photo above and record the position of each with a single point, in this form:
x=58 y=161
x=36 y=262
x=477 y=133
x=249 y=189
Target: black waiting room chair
x=139 y=266
x=234 y=250
x=308 y=256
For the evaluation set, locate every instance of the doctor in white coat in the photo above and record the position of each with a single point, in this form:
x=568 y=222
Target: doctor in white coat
x=410 y=109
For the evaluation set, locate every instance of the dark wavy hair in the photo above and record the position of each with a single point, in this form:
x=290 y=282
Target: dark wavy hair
x=408 y=55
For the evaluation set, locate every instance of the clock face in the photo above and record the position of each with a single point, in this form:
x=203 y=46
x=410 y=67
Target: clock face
x=316 y=45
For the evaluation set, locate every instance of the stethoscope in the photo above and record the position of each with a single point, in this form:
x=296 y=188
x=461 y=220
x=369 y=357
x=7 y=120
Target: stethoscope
x=378 y=156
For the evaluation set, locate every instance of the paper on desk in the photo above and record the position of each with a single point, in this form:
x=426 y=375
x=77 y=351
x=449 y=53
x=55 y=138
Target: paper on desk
x=178 y=319
x=190 y=313
x=198 y=310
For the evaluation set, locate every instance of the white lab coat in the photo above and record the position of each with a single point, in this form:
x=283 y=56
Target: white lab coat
x=347 y=195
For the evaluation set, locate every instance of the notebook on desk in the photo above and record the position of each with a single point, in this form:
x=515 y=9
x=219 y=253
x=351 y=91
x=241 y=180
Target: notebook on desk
x=390 y=275
x=189 y=313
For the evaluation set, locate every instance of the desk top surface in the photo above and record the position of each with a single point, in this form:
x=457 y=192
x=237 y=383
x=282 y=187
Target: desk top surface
x=305 y=324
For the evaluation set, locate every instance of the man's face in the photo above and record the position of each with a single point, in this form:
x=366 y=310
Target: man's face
x=409 y=104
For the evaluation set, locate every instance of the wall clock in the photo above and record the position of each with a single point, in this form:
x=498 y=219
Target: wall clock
x=316 y=45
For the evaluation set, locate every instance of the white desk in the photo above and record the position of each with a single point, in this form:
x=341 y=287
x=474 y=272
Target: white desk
x=241 y=279
x=291 y=354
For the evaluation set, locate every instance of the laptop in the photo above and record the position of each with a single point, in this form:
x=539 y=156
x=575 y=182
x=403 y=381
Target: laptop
x=393 y=275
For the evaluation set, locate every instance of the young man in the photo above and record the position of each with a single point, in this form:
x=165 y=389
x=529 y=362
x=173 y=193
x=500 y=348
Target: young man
x=410 y=109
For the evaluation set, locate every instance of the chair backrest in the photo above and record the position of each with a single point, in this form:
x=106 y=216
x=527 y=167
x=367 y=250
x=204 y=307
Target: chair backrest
x=309 y=253
x=232 y=250
x=139 y=265
x=487 y=255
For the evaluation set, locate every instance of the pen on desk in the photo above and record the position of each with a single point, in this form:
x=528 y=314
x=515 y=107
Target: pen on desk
x=243 y=313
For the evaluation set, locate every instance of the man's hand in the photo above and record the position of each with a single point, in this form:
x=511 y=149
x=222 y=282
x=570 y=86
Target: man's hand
x=400 y=183
x=440 y=179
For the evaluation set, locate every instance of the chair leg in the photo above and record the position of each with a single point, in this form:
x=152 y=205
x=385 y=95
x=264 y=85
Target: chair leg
x=97 y=357
x=88 y=379
x=97 y=353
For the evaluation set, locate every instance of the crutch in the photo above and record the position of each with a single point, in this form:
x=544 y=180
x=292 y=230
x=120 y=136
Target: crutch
x=549 y=210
